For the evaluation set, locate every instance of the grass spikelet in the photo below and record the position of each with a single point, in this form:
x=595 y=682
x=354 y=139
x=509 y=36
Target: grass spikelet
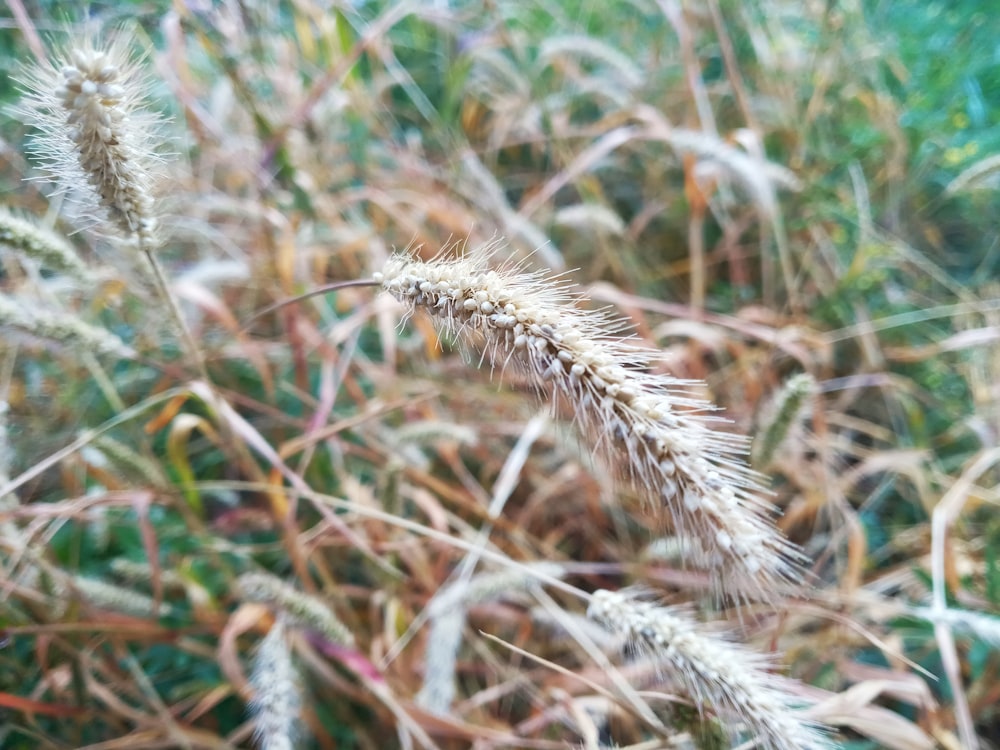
x=9 y=532
x=6 y=450
x=118 y=598
x=648 y=425
x=93 y=130
x=129 y=461
x=427 y=432
x=726 y=677
x=96 y=134
x=49 y=249
x=443 y=642
x=61 y=327
x=301 y=609
x=133 y=571
x=788 y=406
x=276 y=702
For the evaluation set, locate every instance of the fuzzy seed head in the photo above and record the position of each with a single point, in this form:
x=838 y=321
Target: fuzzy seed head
x=64 y=328
x=787 y=408
x=729 y=679
x=650 y=427
x=134 y=572
x=277 y=700
x=443 y=642
x=299 y=608
x=47 y=248
x=118 y=598
x=94 y=135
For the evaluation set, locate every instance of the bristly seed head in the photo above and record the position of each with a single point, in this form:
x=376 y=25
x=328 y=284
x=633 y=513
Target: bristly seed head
x=94 y=135
x=733 y=681
x=647 y=425
x=277 y=699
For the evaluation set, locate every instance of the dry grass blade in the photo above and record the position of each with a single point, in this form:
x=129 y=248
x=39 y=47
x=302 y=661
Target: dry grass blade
x=983 y=175
x=945 y=513
x=856 y=708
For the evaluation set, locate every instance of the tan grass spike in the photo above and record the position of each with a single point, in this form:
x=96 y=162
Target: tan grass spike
x=647 y=425
x=731 y=680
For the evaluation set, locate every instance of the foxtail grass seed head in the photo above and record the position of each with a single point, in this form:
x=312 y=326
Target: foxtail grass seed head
x=650 y=426
x=6 y=453
x=134 y=572
x=118 y=598
x=57 y=588
x=301 y=609
x=95 y=134
x=63 y=328
x=129 y=461
x=444 y=639
x=724 y=676
x=789 y=404
x=49 y=249
x=277 y=699
x=10 y=533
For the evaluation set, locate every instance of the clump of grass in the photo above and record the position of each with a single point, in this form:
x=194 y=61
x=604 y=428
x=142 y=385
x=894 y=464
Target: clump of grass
x=649 y=427
x=642 y=147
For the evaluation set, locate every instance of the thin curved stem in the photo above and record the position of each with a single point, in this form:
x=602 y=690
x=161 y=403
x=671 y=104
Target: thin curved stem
x=299 y=298
x=175 y=310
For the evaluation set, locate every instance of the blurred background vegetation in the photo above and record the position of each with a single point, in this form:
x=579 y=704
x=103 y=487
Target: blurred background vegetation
x=761 y=188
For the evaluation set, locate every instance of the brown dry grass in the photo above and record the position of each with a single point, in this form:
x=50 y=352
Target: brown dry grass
x=368 y=464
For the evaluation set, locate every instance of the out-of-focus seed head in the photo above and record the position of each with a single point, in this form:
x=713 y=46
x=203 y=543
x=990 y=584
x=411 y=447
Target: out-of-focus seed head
x=95 y=136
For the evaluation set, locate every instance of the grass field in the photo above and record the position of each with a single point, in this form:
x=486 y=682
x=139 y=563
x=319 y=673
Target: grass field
x=283 y=463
